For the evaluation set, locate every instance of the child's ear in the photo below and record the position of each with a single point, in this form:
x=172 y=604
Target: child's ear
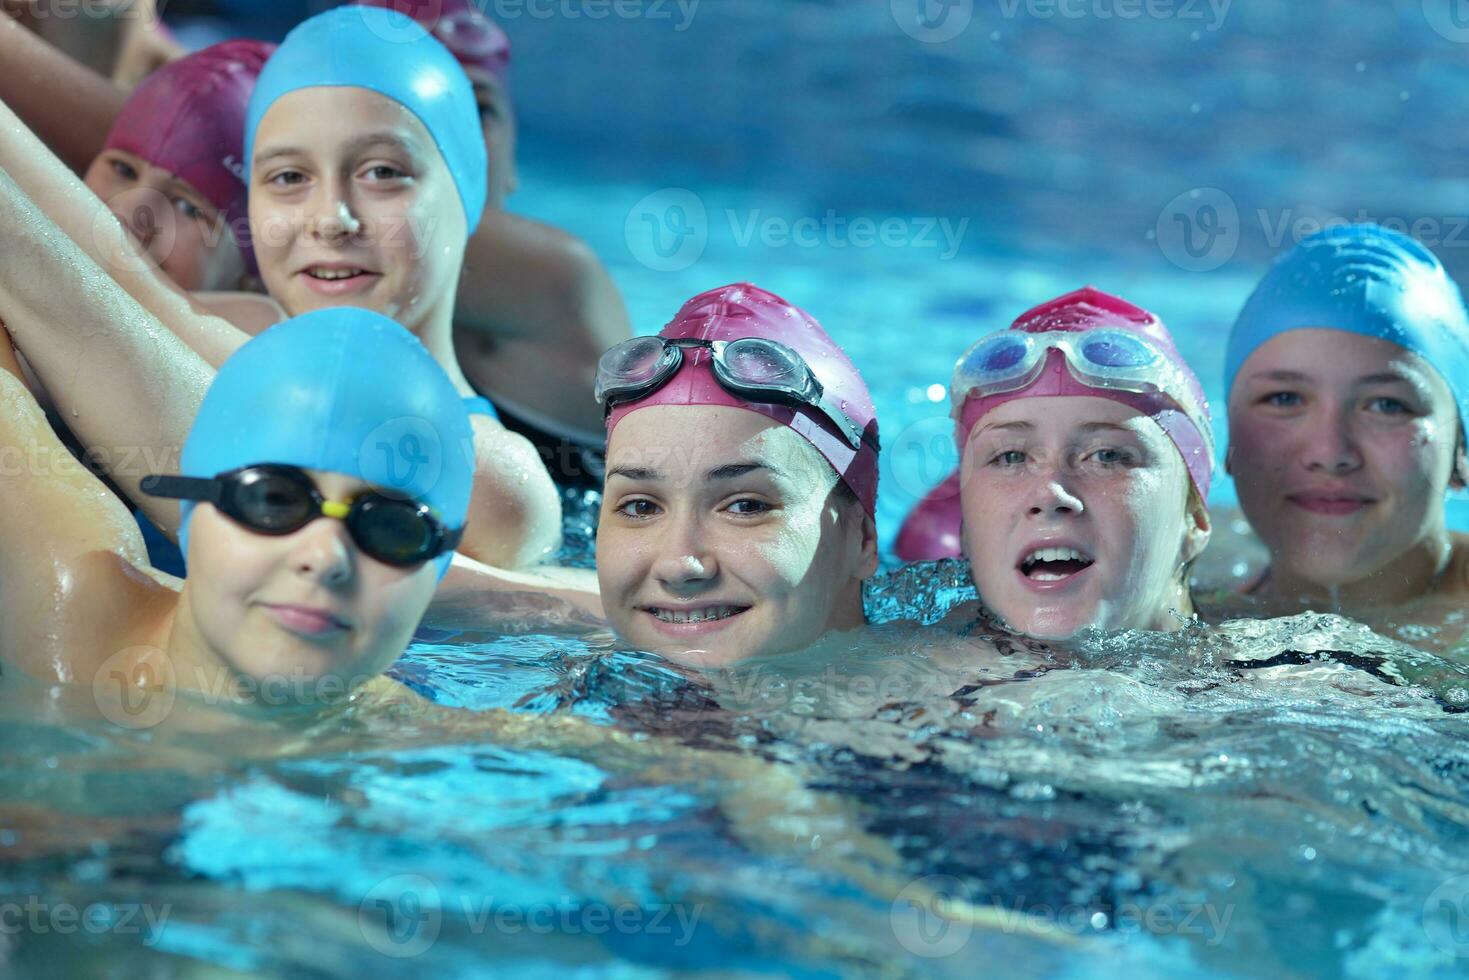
x=1198 y=531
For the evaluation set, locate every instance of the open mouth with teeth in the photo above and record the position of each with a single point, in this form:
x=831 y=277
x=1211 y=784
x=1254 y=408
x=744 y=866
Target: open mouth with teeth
x=1054 y=564
x=705 y=614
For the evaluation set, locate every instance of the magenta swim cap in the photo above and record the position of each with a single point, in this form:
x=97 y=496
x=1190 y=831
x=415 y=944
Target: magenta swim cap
x=742 y=310
x=1091 y=309
x=188 y=118
x=462 y=26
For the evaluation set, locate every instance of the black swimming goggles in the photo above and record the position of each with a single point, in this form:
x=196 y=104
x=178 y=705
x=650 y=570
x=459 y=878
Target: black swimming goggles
x=751 y=368
x=276 y=499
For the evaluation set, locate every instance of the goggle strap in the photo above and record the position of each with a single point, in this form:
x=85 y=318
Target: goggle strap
x=193 y=488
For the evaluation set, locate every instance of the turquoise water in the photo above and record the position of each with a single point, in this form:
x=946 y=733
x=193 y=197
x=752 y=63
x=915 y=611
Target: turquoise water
x=1148 y=811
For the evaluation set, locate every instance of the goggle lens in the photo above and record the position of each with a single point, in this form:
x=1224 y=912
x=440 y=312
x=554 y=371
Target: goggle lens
x=636 y=360
x=755 y=362
x=1117 y=351
x=1003 y=355
x=273 y=503
x=392 y=531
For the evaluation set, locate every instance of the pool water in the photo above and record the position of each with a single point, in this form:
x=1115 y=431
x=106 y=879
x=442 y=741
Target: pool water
x=1157 y=807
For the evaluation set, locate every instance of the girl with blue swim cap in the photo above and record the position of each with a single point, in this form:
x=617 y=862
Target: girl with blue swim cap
x=371 y=176
x=1348 y=380
x=536 y=307
x=326 y=477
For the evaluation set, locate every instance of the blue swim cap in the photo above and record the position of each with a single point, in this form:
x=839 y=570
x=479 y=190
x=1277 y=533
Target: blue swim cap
x=388 y=53
x=345 y=390
x=1368 y=280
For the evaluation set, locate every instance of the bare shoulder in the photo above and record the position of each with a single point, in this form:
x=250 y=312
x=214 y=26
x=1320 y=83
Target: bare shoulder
x=515 y=510
x=249 y=312
x=539 y=279
x=103 y=612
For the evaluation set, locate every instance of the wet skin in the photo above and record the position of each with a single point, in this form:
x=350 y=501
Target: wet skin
x=1343 y=448
x=1077 y=513
x=721 y=538
x=179 y=230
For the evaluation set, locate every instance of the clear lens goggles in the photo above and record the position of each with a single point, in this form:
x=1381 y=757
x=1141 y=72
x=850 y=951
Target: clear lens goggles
x=1112 y=359
x=752 y=368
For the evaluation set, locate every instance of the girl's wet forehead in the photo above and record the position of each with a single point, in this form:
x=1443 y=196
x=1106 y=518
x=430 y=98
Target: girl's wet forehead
x=700 y=444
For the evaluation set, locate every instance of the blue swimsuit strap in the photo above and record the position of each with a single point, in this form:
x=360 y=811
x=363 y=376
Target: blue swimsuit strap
x=476 y=405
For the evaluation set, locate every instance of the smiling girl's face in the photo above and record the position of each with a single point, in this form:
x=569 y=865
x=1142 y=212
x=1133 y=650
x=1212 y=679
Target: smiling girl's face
x=180 y=231
x=1078 y=513
x=351 y=204
x=1342 y=447
x=724 y=536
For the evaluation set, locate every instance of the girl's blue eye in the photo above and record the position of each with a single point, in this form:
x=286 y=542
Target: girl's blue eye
x=1112 y=457
x=1388 y=406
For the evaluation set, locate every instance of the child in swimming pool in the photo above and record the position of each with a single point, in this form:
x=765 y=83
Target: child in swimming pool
x=323 y=505
x=536 y=308
x=381 y=225
x=737 y=520
x=1086 y=456
x=1348 y=380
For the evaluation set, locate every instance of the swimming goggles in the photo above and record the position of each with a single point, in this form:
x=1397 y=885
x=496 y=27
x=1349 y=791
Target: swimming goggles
x=1106 y=358
x=751 y=368
x=276 y=499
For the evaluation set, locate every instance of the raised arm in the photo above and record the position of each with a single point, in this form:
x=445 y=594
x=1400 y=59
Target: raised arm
x=88 y=222
x=71 y=106
x=68 y=547
x=125 y=385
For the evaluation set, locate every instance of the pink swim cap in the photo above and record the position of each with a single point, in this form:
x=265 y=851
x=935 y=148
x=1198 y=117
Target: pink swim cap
x=1092 y=309
x=462 y=26
x=742 y=310
x=188 y=118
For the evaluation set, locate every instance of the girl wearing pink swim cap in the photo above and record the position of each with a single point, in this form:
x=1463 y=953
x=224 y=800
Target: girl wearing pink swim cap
x=1086 y=455
x=737 y=520
x=172 y=163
